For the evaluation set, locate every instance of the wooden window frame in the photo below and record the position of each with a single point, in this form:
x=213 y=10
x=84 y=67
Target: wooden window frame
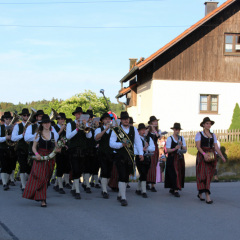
x=208 y=111
x=234 y=53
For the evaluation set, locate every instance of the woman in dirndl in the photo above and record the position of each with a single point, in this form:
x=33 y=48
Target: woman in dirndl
x=175 y=165
x=206 y=143
x=44 y=143
x=155 y=134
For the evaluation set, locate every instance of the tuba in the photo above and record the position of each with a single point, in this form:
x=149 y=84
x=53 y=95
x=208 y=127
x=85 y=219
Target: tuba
x=53 y=115
x=30 y=119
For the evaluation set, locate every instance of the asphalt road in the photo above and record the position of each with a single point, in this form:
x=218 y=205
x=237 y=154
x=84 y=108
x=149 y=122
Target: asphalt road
x=161 y=216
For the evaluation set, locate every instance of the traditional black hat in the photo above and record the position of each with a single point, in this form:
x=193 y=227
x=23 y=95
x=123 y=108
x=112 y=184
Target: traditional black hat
x=206 y=119
x=61 y=115
x=131 y=120
x=141 y=126
x=105 y=115
x=25 y=111
x=90 y=112
x=53 y=123
x=77 y=110
x=176 y=126
x=39 y=112
x=2 y=118
x=45 y=119
x=7 y=115
x=152 y=118
x=124 y=115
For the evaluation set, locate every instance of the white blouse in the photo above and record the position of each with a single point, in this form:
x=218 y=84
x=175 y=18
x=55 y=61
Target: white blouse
x=199 y=136
x=169 y=141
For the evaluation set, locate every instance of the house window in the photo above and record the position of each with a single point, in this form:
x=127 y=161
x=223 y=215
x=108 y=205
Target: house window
x=208 y=103
x=232 y=43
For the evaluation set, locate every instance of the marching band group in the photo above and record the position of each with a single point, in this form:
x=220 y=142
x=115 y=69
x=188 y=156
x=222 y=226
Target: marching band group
x=112 y=149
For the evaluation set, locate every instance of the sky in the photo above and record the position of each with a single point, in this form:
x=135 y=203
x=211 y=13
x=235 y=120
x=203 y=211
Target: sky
x=60 y=48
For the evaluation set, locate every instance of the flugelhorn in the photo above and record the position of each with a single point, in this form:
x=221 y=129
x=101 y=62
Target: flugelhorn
x=30 y=119
x=53 y=115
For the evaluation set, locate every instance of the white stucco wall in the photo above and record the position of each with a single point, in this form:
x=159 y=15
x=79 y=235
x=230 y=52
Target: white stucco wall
x=179 y=101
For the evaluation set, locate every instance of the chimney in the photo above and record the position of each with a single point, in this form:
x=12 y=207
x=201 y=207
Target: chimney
x=210 y=6
x=132 y=62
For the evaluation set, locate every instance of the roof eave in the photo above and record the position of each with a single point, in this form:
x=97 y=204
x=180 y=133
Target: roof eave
x=129 y=75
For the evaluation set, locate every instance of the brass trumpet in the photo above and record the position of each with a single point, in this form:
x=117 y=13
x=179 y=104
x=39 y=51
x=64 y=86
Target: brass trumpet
x=53 y=115
x=30 y=119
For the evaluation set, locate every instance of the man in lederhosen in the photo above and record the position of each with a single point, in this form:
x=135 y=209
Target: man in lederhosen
x=123 y=140
x=22 y=147
x=77 y=149
x=62 y=158
x=102 y=135
x=7 y=154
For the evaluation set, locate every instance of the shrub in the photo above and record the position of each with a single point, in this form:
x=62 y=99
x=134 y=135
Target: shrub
x=235 y=118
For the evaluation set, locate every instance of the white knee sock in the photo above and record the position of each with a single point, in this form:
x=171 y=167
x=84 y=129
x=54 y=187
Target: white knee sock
x=104 y=183
x=139 y=186
x=143 y=185
x=95 y=177
x=23 y=180
x=4 y=179
x=12 y=176
x=86 y=179
x=60 y=182
x=76 y=183
x=66 y=178
x=122 y=189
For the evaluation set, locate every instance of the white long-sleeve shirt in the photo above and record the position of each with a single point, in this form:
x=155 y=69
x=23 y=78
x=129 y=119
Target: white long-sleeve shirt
x=70 y=134
x=2 y=139
x=29 y=137
x=151 y=146
x=137 y=141
x=15 y=136
x=99 y=130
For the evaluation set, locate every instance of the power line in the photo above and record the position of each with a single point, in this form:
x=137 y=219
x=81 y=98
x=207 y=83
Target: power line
x=87 y=27
x=78 y=2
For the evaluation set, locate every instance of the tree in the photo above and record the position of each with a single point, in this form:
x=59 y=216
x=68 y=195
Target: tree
x=235 y=118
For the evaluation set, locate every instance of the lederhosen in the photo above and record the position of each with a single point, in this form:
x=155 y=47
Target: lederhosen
x=105 y=154
x=77 y=151
x=152 y=173
x=204 y=170
x=175 y=169
x=22 y=152
x=143 y=166
x=36 y=187
x=8 y=156
x=122 y=159
x=62 y=158
x=91 y=163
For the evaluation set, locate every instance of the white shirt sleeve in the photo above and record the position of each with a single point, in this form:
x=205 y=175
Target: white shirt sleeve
x=29 y=137
x=113 y=141
x=89 y=135
x=36 y=139
x=198 y=137
x=169 y=142
x=151 y=147
x=69 y=133
x=214 y=138
x=15 y=136
x=2 y=139
x=97 y=131
x=56 y=135
x=138 y=142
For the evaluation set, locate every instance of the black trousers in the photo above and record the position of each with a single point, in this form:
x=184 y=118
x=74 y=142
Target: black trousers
x=143 y=167
x=63 y=163
x=8 y=160
x=124 y=167
x=106 y=162
x=77 y=160
x=23 y=161
x=91 y=162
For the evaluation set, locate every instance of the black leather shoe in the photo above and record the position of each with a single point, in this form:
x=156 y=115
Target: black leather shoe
x=97 y=186
x=88 y=190
x=61 y=191
x=84 y=187
x=128 y=186
x=78 y=196
x=119 y=198
x=68 y=186
x=201 y=199
x=12 y=183
x=176 y=194
x=23 y=189
x=92 y=184
x=153 y=189
x=53 y=181
x=138 y=192
x=73 y=192
x=56 y=188
x=124 y=202
x=0 y=181
x=5 y=187
x=209 y=202
x=105 y=195
x=148 y=187
x=171 y=191
x=144 y=195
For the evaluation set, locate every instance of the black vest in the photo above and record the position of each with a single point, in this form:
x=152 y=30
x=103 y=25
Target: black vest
x=3 y=145
x=104 y=142
x=91 y=142
x=34 y=129
x=47 y=144
x=206 y=142
x=63 y=133
x=79 y=140
x=22 y=145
